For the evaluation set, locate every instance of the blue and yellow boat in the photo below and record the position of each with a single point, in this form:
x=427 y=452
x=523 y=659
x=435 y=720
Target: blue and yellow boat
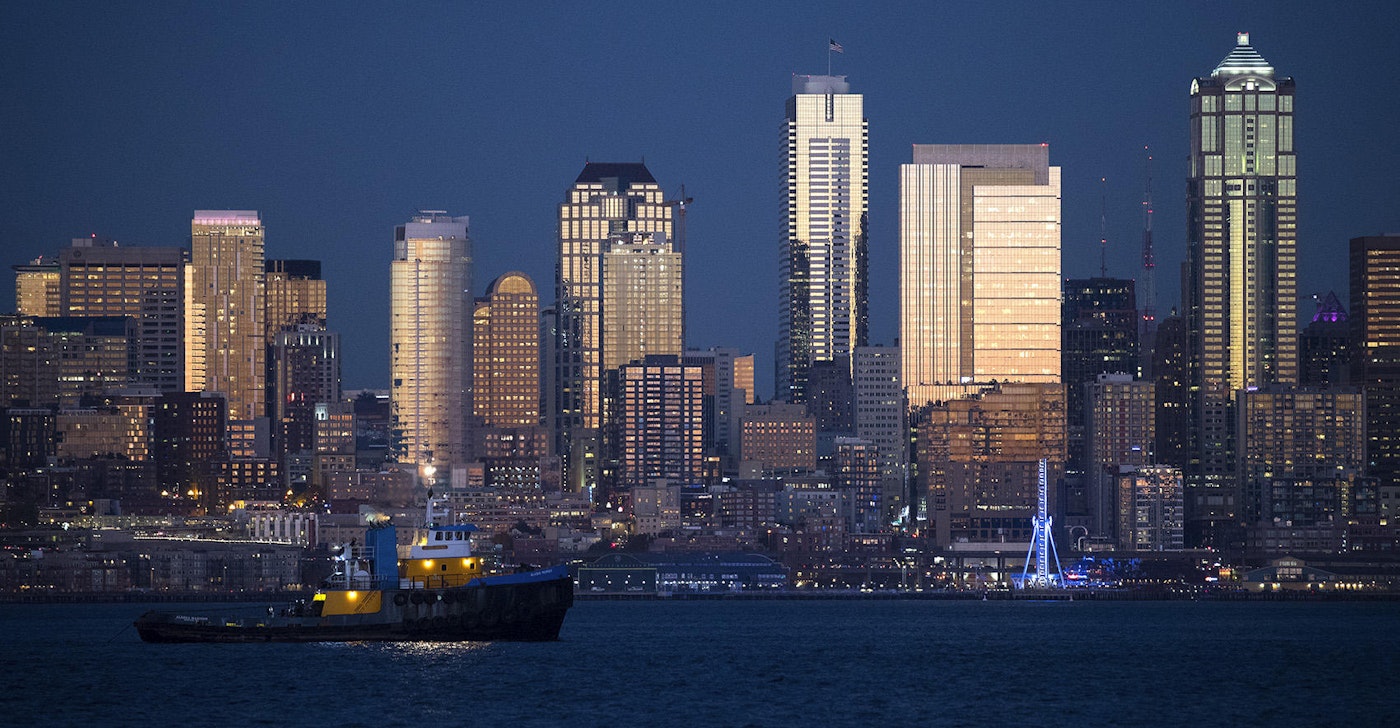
x=440 y=592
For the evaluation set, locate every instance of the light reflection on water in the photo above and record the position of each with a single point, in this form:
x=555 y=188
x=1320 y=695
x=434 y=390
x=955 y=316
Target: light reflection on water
x=718 y=663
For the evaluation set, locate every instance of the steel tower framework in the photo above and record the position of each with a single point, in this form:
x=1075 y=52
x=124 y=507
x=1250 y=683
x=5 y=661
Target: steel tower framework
x=1042 y=544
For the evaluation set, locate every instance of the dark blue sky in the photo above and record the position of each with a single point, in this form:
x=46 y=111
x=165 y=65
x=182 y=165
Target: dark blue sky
x=337 y=121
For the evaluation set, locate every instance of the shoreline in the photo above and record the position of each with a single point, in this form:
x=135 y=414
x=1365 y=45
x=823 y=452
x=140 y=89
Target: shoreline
x=1064 y=595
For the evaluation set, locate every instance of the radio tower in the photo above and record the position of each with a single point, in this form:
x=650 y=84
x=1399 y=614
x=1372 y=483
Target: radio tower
x=1042 y=544
x=1147 y=331
x=1103 y=227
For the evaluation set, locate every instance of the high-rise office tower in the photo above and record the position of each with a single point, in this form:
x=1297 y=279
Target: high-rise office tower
x=1149 y=508
x=100 y=278
x=506 y=370
x=306 y=373
x=822 y=269
x=724 y=401
x=1099 y=335
x=979 y=252
x=659 y=422
x=1241 y=268
x=225 y=339
x=606 y=198
x=1171 y=355
x=1119 y=421
x=1375 y=326
x=430 y=302
x=1325 y=347
x=880 y=410
x=642 y=296
x=36 y=288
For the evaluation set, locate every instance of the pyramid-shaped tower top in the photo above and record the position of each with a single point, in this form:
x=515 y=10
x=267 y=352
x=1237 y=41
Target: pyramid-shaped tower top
x=1329 y=310
x=1243 y=60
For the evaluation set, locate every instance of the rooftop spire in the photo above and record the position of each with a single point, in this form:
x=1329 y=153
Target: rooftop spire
x=1243 y=59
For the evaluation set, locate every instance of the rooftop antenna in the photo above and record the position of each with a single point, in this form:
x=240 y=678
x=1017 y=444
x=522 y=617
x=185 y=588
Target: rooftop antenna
x=1103 y=227
x=1149 y=259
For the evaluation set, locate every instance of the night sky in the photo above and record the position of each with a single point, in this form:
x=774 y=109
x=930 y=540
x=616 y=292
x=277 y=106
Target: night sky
x=336 y=121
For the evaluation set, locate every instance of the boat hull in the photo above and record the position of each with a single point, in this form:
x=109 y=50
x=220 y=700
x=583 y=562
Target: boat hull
x=527 y=608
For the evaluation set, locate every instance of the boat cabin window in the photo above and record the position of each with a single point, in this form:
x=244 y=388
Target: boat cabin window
x=437 y=535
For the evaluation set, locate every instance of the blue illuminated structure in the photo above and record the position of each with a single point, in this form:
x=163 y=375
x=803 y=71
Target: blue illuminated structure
x=1042 y=545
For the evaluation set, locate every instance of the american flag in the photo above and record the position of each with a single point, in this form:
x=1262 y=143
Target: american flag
x=836 y=46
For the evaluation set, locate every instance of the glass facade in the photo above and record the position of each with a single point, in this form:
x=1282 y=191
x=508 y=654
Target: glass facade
x=822 y=261
x=979 y=266
x=430 y=340
x=642 y=312
x=1241 y=268
x=607 y=198
x=224 y=310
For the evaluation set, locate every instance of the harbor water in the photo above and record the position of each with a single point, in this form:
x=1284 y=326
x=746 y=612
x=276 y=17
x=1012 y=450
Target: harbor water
x=749 y=663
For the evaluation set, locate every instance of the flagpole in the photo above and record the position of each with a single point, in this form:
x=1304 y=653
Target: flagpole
x=828 y=59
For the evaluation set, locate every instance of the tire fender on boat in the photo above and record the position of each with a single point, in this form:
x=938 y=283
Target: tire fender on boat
x=417 y=598
x=400 y=599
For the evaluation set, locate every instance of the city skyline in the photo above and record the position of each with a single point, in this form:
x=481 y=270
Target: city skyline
x=106 y=130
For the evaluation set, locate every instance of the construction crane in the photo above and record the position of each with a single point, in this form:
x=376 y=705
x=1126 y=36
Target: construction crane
x=678 y=207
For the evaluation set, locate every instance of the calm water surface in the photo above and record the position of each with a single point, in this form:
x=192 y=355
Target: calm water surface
x=742 y=663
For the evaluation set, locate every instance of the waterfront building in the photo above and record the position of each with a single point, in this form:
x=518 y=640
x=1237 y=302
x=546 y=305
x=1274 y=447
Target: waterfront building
x=1149 y=508
x=225 y=335
x=1119 y=431
x=506 y=370
x=146 y=283
x=1375 y=327
x=980 y=457
x=605 y=199
x=1301 y=456
x=822 y=259
x=1241 y=268
x=430 y=341
x=36 y=288
x=979 y=267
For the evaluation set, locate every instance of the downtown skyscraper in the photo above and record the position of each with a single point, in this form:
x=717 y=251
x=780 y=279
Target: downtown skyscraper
x=1241 y=268
x=822 y=266
x=430 y=341
x=225 y=335
x=606 y=199
x=979 y=250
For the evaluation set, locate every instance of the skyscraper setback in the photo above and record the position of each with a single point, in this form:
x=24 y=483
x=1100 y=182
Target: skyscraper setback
x=1241 y=265
x=430 y=339
x=822 y=268
x=605 y=199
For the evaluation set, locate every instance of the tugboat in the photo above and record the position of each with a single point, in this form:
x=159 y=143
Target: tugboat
x=439 y=593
